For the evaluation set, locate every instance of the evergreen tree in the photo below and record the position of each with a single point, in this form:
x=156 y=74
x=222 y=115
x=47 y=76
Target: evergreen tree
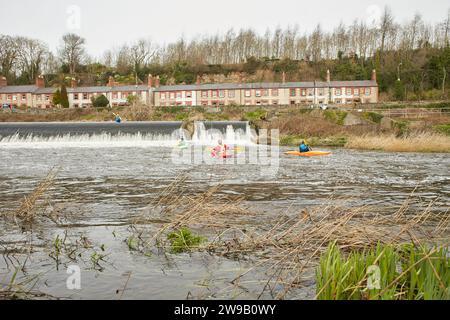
x=57 y=98
x=64 y=99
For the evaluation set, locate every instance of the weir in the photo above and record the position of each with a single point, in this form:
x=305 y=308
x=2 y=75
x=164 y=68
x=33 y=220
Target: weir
x=110 y=134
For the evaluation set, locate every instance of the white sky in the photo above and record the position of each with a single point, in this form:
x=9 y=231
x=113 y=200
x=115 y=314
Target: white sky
x=109 y=23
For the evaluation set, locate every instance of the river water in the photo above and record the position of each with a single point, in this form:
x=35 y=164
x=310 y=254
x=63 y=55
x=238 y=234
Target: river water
x=107 y=175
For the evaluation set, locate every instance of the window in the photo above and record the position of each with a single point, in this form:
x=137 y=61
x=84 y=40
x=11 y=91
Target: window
x=275 y=92
x=75 y=97
x=24 y=97
x=162 y=95
x=179 y=95
x=265 y=102
x=349 y=91
x=321 y=92
x=222 y=94
x=356 y=92
x=231 y=93
x=258 y=93
x=248 y=102
x=368 y=91
x=14 y=97
x=221 y=103
x=204 y=103
x=293 y=92
x=265 y=93
x=275 y=102
x=310 y=92
x=189 y=94
x=172 y=95
x=47 y=97
x=115 y=95
x=337 y=92
x=204 y=94
x=214 y=93
x=85 y=96
x=338 y=101
x=248 y=93
x=303 y=93
x=292 y=102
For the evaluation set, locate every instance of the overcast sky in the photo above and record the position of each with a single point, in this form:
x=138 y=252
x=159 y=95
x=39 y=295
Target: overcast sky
x=109 y=23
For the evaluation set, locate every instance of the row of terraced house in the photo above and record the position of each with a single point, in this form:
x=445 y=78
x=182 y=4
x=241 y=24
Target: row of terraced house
x=153 y=94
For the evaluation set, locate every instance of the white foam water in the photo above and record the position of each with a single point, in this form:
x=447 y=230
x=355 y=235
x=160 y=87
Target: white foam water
x=201 y=136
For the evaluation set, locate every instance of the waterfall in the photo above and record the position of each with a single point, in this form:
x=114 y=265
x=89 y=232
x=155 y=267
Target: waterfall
x=107 y=135
x=236 y=133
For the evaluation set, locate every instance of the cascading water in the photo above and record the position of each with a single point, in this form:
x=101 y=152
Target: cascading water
x=235 y=133
x=111 y=135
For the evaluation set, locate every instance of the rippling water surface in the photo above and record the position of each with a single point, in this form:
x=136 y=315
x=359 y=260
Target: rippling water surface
x=105 y=187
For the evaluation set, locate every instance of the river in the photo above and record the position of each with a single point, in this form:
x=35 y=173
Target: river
x=108 y=174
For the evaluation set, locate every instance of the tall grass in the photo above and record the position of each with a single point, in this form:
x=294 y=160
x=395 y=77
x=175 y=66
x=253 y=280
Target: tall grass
x=384 y=273
x=414 y=142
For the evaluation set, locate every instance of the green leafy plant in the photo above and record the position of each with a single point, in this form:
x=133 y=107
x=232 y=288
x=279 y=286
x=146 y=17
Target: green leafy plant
x=384 y=273
x=184 y=240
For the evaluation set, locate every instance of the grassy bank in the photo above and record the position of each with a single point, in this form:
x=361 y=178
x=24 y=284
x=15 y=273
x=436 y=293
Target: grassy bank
x=415 y=142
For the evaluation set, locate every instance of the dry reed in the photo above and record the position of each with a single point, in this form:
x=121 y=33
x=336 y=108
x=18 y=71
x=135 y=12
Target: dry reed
x=414 y=142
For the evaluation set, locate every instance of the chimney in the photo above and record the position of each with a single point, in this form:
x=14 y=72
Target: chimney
x=3 y=82
x=328 y=76
x=40 y=83
x=111 y=81
x=150 y=81
x=157 y=82
x=374 y=75
x=73 y=83
x=284 y=77
x=198 y=82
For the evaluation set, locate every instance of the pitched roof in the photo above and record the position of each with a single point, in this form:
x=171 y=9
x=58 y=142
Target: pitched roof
x=103 y=89
x=19 y=89
x=268 y=85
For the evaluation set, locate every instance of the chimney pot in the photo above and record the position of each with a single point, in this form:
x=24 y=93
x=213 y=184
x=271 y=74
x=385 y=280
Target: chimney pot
x=40 y=83
x=374 y=75
x=284 y=77
x=157 y=81
x=328 y=76
x=198 y=82
x=111 y=81
x=73 y=83
x=150 y=81
x=3 y=82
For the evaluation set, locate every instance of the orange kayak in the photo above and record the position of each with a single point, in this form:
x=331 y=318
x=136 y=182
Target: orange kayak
x=308 y=154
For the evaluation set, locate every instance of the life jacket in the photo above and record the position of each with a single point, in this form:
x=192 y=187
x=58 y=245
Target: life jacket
x=304 y=148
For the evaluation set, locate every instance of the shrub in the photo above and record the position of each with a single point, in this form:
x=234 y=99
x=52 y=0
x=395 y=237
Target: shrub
x=445 y=129
x=373 y=116
x=100 y=101
x=337 y=117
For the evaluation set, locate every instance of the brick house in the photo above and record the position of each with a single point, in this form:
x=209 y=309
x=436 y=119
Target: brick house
x=247 y=94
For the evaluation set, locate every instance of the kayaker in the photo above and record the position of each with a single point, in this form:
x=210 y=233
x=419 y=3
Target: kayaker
x=182 y=143
x=304 y=147
x=117 y=119
x=220 y=149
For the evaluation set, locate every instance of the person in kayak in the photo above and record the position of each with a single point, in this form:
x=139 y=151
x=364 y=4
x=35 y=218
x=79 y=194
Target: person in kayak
x=182 y=142
x=220 y=149
x=304 y=147
x=117 y=118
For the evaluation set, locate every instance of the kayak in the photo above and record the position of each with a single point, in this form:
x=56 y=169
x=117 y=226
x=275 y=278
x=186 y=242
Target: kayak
x=184 y=146
x=308 y=154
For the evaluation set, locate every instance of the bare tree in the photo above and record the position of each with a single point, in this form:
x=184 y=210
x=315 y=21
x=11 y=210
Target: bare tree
x=9 y=51
x=72 y=51
x=31 y=57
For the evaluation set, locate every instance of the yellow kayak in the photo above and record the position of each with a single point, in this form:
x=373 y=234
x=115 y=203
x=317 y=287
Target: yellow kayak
x=308 y=154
